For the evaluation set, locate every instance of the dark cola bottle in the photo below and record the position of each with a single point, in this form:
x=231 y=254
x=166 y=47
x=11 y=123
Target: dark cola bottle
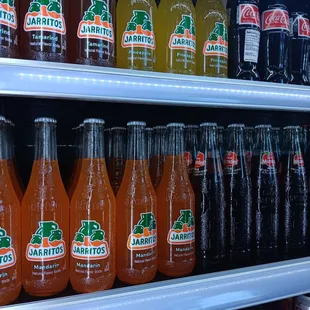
x=116 y=166
x=238 y=198
x=275 y=41
x=295 y=193
x=304 y=139
x=244 y=40
x=211 y=213
x=275 y=142
x=220 y=139
x=299 y=48
x=190 y=147
x=266 y=199
x=249 y=143
x=108 y=145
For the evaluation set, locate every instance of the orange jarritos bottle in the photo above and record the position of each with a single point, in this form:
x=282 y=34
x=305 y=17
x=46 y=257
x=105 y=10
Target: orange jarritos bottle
x=10 y=234
x=136 y=217
x=136 y=43
x=176 y=201
x=45 y=214
x=176 y=37
x=92 y=217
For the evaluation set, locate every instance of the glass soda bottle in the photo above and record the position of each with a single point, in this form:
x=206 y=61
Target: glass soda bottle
x=136 y=41
x=136 y=247
x=149 y=145
x=176 y=202
x=92 y=217
x=190 y=146
x=211 y=211
x=212 y=40
x=108 y=146
x=176 y=37
x=295 y=194
x=249 y=142
x=9 y=29
x=94 y=25
x=265 y=193
x=159 y=154
x=45 y=214
x=117 y=162
x=10 y=232
x=275 y=142
x=220 y=140
x=238 y=197
x=44 y=31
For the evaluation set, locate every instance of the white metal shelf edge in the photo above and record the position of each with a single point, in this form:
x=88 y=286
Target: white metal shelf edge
x=218 y=291
x=69 y=81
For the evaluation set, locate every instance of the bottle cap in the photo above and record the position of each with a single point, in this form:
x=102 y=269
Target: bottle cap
x=160 y=128
x=118 y=128
x=45 y=120
x=106 y=130
x=249 y=128
x=94 y=121
x=276 y=128
x=191 y=127
x=221 y=127
x=2 y=118
x=208 y=125
x=262 y=126
x=148 y=129
x=236 y=126
x=291 y=127
x=136 y=123
x=176 y=125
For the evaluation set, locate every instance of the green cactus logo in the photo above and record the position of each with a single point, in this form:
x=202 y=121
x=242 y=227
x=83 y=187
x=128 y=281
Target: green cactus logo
x=97 y=22
x=184 y=35
x=89 y=242
x=45 y=15
x=46 y=243
x=8 y=15
x=183 y=229
x=7 y=252
x=139 y=31
x=144 y=233
x=217 y=43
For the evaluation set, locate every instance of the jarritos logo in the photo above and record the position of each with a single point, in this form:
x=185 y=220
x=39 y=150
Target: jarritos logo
x=139 y=31
x=97 y=23
x=303 y=27
x=46 y=243
x=45 y=15
x=183 y=229
x=7 y=252
x=230 y=159
x=276 y=19
x=217 y=43
x=8 y=15
x=89 y=242
x=298 y=160
x=144 y=234
x=184 y=36
x=248 y=15
x=268 y=159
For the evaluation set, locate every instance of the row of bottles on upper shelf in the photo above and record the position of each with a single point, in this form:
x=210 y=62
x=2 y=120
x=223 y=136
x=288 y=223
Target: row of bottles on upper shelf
x=218 y=209
x=268 y=40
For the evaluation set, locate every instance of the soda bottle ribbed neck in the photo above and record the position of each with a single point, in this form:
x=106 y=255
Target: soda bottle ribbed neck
x=263 y=137
x=175 y=139
x=208 y=137
x=160 y=140
x=136 y=144
x=236 y=137
x=292 y=142
x=3 y=139
x=118 y=142
x=45 y=139
x=93 y=138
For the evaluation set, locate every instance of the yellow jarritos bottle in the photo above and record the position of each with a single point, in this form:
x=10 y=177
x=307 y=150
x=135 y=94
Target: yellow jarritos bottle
x=176 y=37
x=136 y=42
x=212 y=38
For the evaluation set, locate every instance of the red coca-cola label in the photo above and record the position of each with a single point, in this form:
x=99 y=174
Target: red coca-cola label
x=249 y=15
x=188 y=158
x=276 y=19
x=230 y=159
x=303 y=27
x=298 y=160
x=200 y=160
x=268 y=159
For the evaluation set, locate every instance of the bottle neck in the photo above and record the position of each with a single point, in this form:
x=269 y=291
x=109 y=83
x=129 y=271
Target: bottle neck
x=263 y=140
x=292 y=143
x=93 y=141
x=160 y=143
x=136 y=143
x=4 y=143
x=208 y=141
x=45 y=142
x=236 y=141
x=118 y=144
x=175 y=141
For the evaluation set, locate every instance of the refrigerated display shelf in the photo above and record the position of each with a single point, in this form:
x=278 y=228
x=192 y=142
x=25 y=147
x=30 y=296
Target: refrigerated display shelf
x=69 y=81
x=217 y=291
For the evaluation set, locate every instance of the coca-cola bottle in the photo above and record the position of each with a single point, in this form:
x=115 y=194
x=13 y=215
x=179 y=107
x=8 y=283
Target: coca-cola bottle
x=304 y=139
x=190 y=147
x=275 y=142
x=238 y=197
x=299 y=48
x=244 y=40
x=274 y=41
x=220 y=139
x=148 y=145
x=265 y=193
x=295 y=195
x=211 y=212
x=249 y=142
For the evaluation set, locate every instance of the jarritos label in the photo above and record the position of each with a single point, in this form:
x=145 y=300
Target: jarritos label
x=230 y=159
x=139 y=31
x=144 y=234
x=298 y=160
x=276 y=19
x=184 y=36
x=303 y=27
x=217 y=43
x=45 y=15
x=97 y=23
x=7 y=252
x=183 y=229
x=46 y=243
x=248 y=14
x=8 y=15
x=268 y=159
x=89 y=242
